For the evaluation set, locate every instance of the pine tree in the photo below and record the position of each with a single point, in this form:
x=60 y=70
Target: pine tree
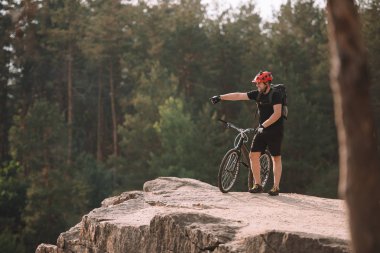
x=38 y=143
x=369 y=11
x=139 y=140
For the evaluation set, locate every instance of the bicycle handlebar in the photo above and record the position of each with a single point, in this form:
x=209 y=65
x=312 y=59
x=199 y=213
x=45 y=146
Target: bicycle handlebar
x=240 y=130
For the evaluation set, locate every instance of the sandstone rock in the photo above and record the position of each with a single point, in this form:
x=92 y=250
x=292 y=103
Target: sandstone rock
x=186 y=215
x=46 y=248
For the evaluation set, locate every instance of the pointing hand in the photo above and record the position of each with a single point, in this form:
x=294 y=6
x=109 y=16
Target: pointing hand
x=215 y=99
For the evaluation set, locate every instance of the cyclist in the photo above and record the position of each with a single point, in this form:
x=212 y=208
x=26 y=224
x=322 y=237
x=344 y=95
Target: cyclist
x=270 y=131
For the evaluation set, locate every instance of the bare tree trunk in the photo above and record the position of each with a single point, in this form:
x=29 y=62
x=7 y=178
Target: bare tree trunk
x=359 y=164
x=70 y=106
x=5 y=57
x=99 y=145
x=114 y=118
x=4 y=122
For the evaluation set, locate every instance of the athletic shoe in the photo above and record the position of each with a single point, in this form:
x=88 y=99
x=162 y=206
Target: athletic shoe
x=274 y=191
x=256 y=189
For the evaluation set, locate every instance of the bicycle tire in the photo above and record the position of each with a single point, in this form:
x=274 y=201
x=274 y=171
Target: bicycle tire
x=266 y=171
x=229 y=170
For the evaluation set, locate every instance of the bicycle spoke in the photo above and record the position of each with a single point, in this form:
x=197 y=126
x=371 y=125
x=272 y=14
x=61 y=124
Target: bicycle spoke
x=228 y=174
x=230 y=162
x=265 y=164
x=228 y=171
x=226 y=180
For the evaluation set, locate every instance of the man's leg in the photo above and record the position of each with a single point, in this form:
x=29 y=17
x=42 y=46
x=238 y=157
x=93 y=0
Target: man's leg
x=258 y=145
x=274 y=147
x=254 y=157
x=277 y=170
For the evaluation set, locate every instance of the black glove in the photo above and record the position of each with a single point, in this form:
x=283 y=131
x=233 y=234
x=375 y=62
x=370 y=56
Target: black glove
x=260 y=129
x=215 y=99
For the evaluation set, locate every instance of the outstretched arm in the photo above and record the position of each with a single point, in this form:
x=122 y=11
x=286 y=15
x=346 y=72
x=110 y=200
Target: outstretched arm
x=230 y=96
x=234 y=96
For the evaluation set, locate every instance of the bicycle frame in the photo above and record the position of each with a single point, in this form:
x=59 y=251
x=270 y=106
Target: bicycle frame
x=240 y=141
x=239 y=155
x=241 y=145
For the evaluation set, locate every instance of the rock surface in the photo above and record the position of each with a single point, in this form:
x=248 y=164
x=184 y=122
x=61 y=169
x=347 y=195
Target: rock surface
x=185 y=215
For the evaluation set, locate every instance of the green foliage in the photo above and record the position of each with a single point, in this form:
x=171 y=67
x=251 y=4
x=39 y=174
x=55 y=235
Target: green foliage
x=12 y=203
x=212 y=141
x=12 y=195
x=92 y=183
x=138 y=137
x=5 y=76
x=184 y=139
x=10 y=243
x=370 y=11
x=175 y=129
x=38 y=140
x=46 y=213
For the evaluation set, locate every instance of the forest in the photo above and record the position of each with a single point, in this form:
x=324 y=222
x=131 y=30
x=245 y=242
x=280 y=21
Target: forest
x=98 y=97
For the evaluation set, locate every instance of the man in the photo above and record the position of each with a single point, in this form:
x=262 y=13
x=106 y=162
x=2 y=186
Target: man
x=270 y=131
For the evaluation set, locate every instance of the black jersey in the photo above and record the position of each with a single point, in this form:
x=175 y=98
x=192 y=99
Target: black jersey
x=266 y=109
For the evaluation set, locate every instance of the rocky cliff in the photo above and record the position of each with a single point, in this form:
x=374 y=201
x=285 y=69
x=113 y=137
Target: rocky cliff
x=185 y=215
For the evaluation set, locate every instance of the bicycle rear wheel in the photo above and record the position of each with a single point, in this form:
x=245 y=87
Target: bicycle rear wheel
x=266 y=168
x=228 y=170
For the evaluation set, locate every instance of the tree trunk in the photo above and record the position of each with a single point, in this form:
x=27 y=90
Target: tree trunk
x=70 y=106
x=6 y=27
x=114 y=118
x=99 y=145
x=359 y=164
x=4 y=122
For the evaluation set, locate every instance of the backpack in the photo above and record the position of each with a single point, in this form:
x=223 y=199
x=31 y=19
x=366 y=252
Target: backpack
x=280 y=88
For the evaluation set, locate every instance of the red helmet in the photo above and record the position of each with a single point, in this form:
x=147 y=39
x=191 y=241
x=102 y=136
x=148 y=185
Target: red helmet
x=263 y=77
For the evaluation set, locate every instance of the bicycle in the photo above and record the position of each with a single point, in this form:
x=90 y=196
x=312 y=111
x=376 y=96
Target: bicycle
x=239 y=155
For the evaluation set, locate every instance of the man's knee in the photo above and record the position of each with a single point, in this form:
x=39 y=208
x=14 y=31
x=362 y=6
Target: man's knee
x=276 y=159
x=254 y=155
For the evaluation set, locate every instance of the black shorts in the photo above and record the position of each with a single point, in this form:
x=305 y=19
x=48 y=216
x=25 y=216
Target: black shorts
x=271 y=140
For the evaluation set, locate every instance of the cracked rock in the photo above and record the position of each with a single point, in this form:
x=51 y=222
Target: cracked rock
x=185 y=216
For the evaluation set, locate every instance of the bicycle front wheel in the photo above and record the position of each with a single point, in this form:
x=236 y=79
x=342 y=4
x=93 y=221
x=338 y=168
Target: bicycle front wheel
x=228 y=170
